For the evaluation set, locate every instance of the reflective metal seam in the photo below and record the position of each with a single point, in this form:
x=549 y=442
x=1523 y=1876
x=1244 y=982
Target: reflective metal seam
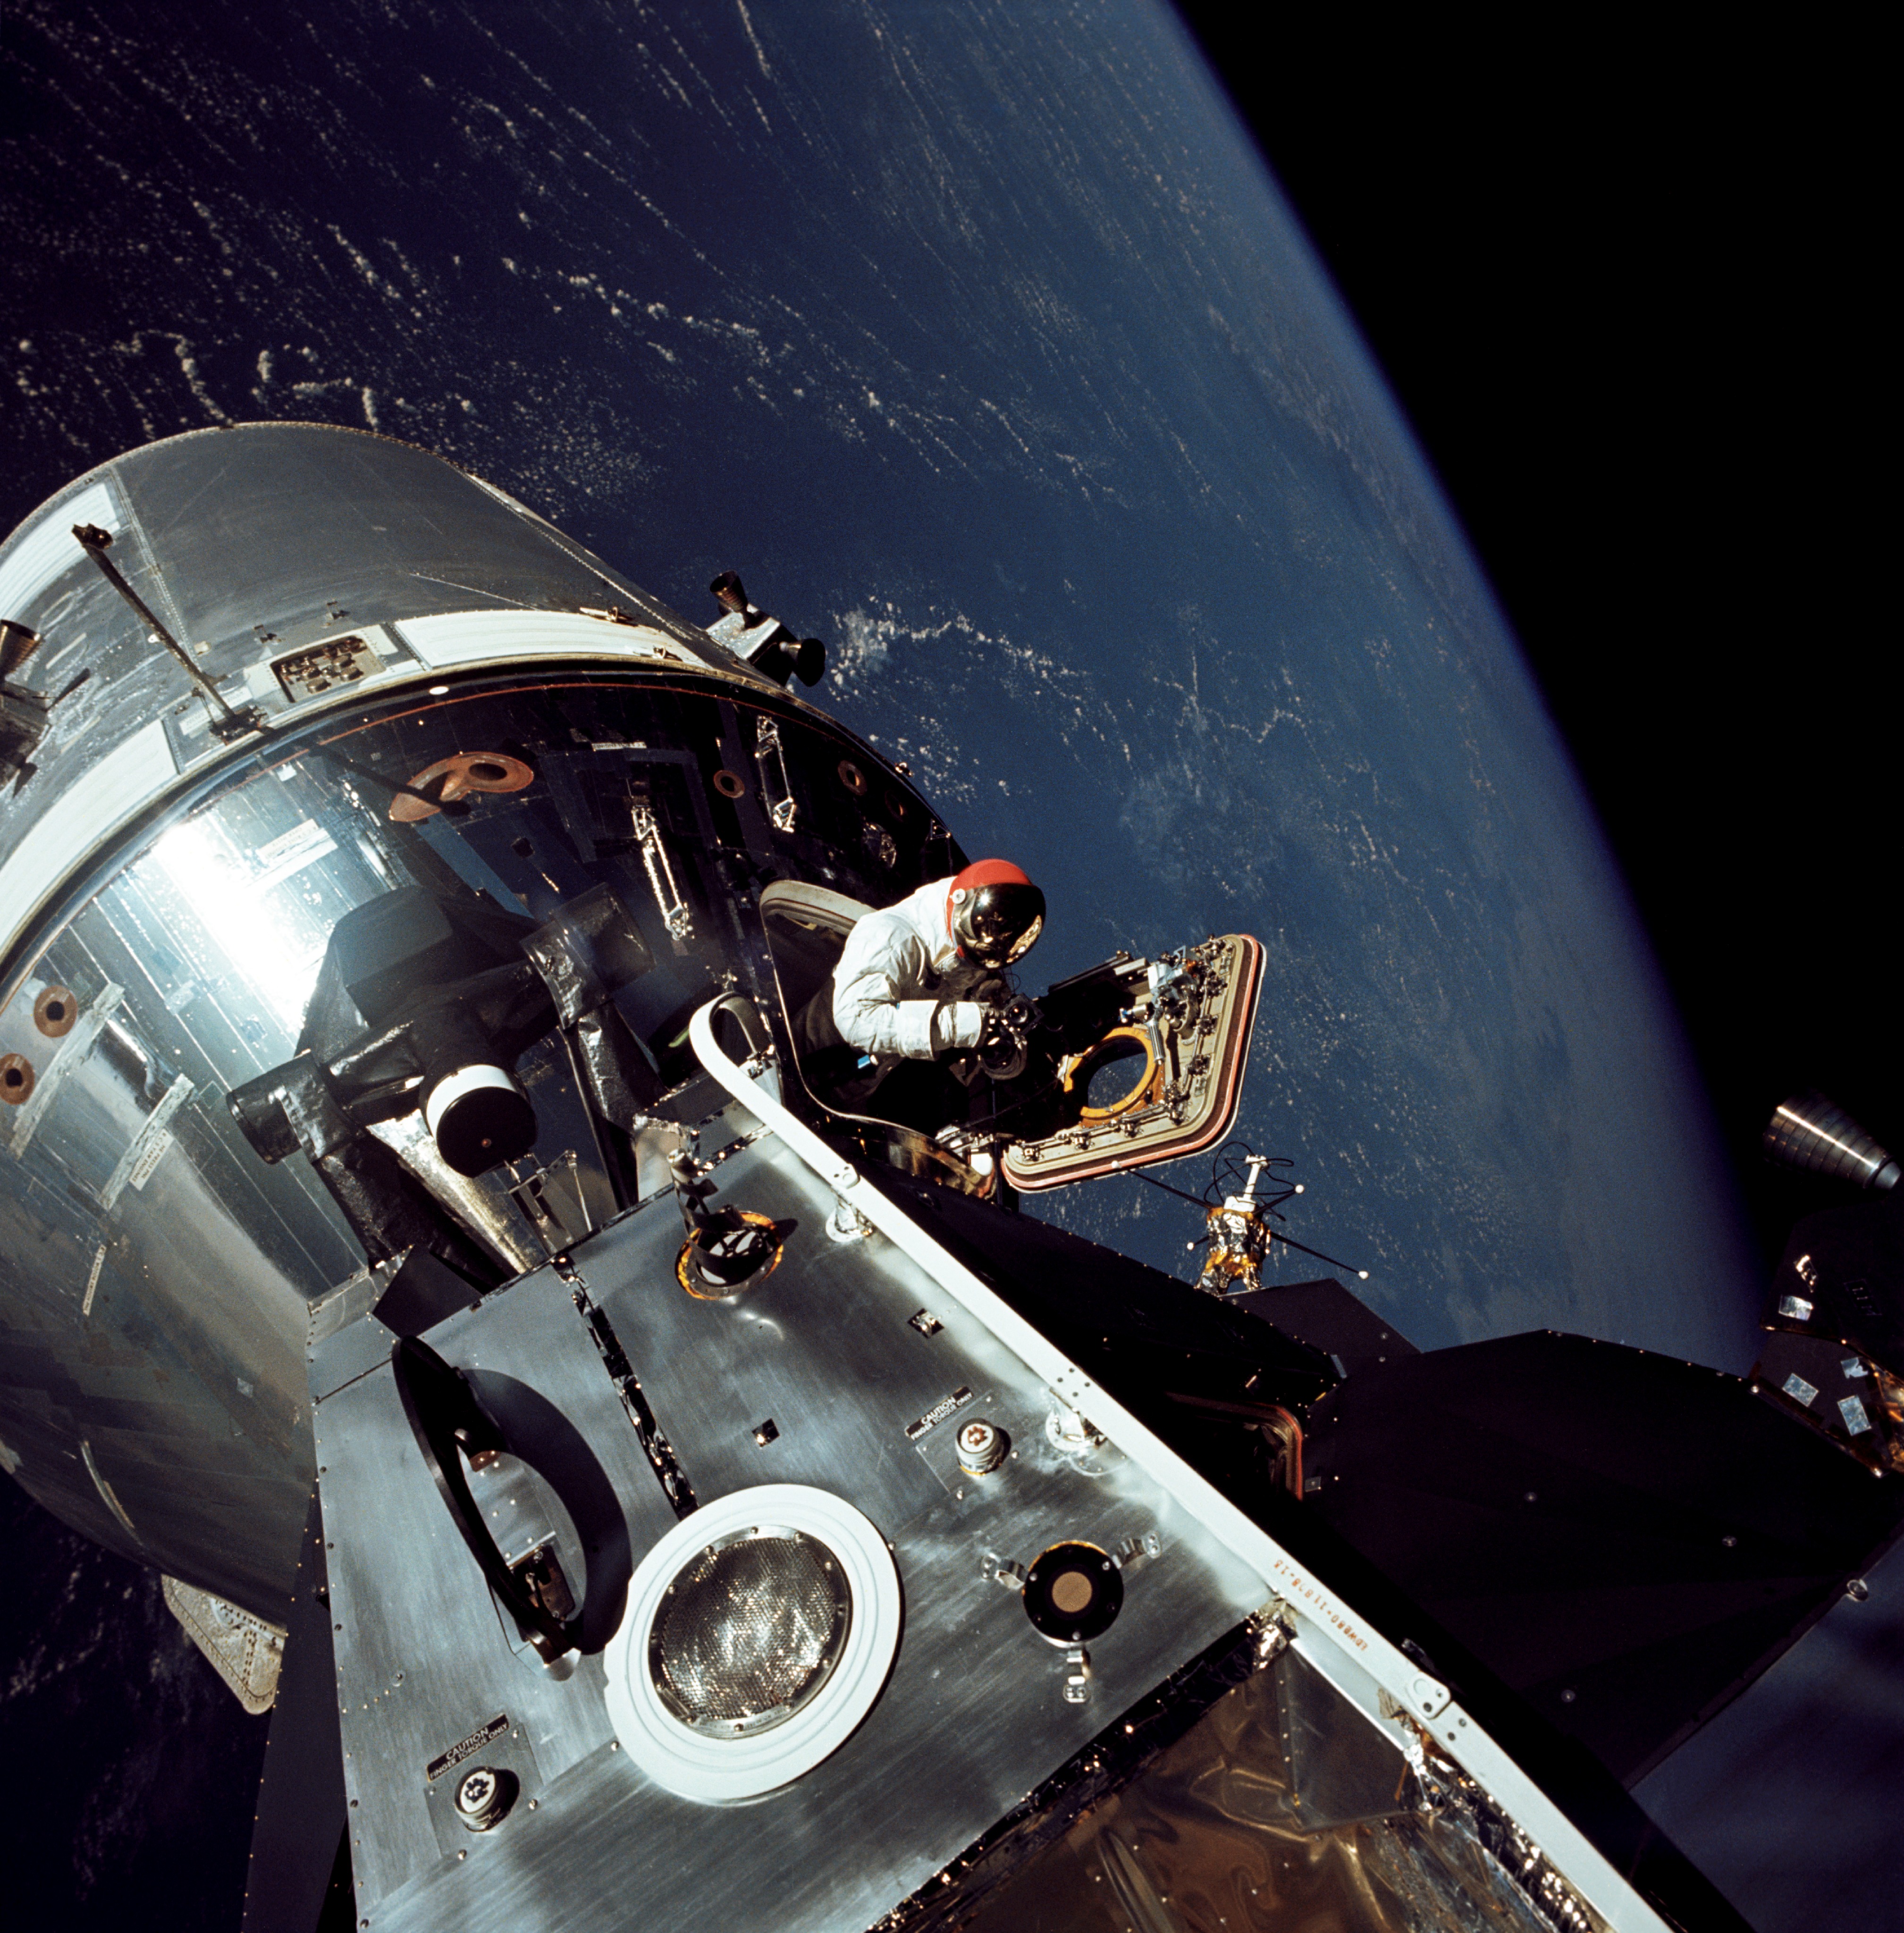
x=105 y=1489
x=148 y=1145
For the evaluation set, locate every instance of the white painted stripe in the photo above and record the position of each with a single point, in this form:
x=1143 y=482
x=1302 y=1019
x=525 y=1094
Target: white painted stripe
x=105 y=1489
x=453 y=1087
x=48 y=549
x=72 y=826
x=92 y=1281
x=105 y=798
x=478 y=637
x=153 y=1138
x=1356 y=1658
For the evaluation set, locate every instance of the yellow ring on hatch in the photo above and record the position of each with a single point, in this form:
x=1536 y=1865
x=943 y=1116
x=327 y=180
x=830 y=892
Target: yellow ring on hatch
x=1149 y=1084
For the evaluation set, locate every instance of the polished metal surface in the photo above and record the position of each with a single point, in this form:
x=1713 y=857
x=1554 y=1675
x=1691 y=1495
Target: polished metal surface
x=424 y=1660
x=974 y=1714
x=156 y=1273
x=1808 y=1131
x=214 y=1176
x=154 y=1279
x=177 y=884
x=269 y=550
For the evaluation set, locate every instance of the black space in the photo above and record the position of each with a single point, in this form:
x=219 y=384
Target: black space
x=1620 y=277
x=135 y=1774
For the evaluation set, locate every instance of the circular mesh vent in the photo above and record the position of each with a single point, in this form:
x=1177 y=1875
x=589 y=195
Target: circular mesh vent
x=749 y=1631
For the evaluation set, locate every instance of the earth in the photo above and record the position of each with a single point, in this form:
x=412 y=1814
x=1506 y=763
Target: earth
x=979 y=340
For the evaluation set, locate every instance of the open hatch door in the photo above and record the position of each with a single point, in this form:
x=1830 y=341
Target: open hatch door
x=1149 y=1064
x=1130 y=1063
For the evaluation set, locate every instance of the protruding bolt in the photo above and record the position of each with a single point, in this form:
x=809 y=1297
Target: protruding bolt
x=981 y=1446
x=484 y=1796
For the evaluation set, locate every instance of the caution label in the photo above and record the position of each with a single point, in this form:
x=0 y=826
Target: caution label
x=467 y=1748
x=937 y=1414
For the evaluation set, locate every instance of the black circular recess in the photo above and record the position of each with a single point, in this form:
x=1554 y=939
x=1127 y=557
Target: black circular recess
x=1073 y=1593
x=485 y=1127
x=730 y=1248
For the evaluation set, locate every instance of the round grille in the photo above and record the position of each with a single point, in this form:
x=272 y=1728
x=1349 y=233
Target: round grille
x=749 y=1631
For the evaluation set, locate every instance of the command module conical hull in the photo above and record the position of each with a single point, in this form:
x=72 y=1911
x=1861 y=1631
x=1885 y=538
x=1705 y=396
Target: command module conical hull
x=675 y=1501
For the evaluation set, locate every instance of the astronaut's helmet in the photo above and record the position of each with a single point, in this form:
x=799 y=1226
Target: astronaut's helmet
x=994 y=913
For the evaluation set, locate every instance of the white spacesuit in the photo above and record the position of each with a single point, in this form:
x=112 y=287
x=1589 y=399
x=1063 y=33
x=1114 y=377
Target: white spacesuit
x=914 y=981
x=899 y=990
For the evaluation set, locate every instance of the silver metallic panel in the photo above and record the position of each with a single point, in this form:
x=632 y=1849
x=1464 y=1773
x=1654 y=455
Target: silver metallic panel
x=423 y=1657
x=775 y=1351
x=974 y=1713
x=355 y=1351
x=148 y=1254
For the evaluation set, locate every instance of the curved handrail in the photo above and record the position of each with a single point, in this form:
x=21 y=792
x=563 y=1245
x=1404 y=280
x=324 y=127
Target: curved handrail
x=827 y=1162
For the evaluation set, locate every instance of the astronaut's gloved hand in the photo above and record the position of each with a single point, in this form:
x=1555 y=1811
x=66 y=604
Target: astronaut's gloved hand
x=957 y=1024
x=994 y=990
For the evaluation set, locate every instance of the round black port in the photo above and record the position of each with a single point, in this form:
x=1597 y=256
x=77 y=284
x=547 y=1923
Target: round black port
x=730 y=785
x=485 y=1127
x=1073 y=1593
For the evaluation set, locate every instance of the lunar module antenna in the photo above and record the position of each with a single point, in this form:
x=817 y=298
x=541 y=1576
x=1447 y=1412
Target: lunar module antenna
x=1241 y=1209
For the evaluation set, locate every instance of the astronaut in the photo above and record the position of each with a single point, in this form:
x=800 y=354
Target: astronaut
x=919 y=995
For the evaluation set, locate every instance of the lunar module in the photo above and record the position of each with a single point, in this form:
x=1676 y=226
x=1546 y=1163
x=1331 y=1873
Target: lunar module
x=646 y=1494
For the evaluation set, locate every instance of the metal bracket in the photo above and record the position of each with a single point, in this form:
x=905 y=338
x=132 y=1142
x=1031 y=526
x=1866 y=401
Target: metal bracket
x=1135 y=1551
x=846 y=1223
x=1274 y=1629
x=1003 y=1571
x=551 y=1199
x=1077 y=1675
x=228 y=723
x=676 y=915
x=776 y=790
